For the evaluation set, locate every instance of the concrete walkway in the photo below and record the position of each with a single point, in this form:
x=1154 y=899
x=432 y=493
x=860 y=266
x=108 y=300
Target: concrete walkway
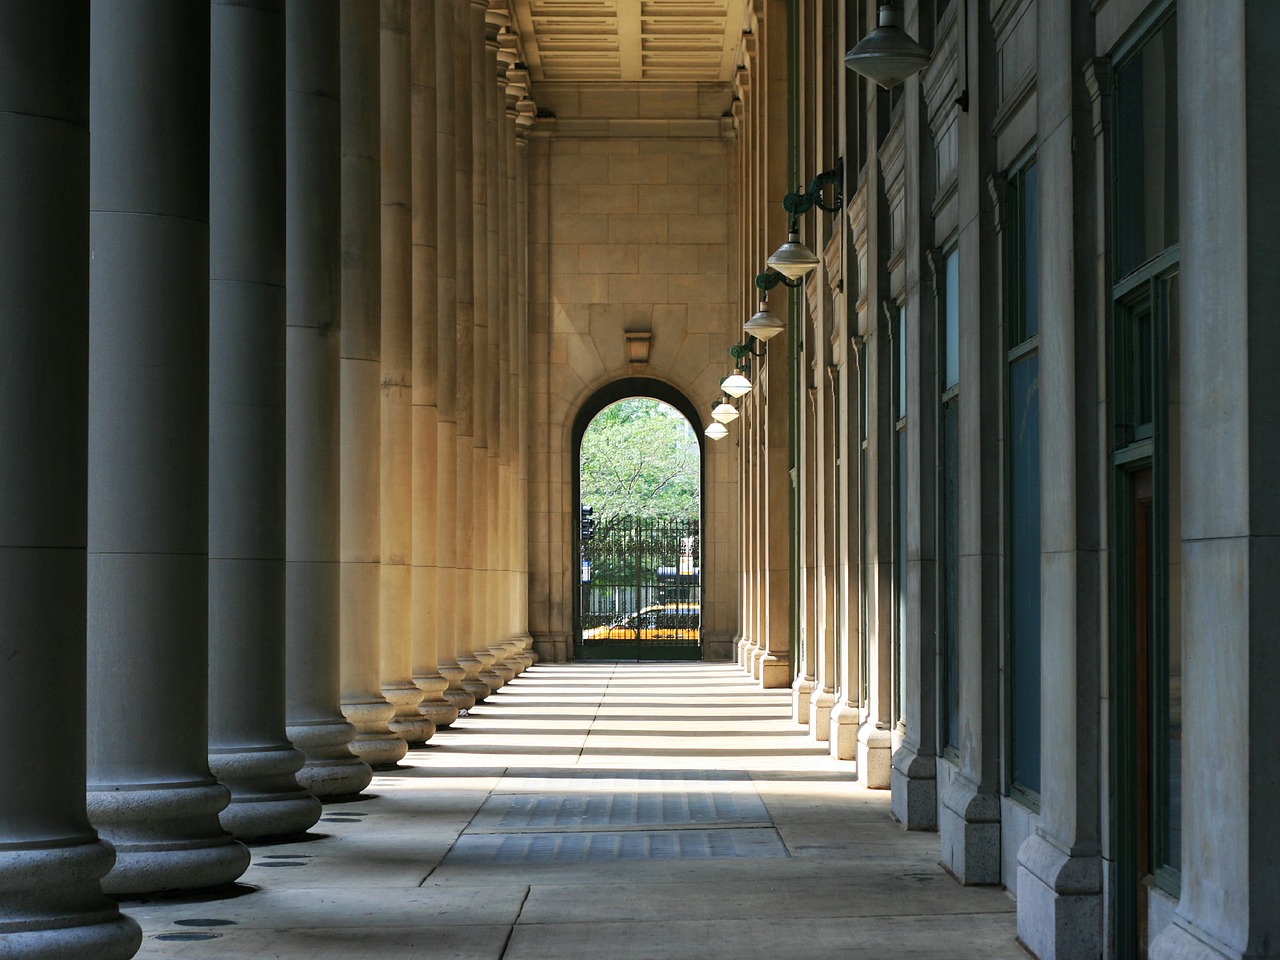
x=602 y=811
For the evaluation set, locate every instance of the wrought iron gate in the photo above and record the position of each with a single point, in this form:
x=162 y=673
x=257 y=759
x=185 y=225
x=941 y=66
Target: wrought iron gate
x=640 y=596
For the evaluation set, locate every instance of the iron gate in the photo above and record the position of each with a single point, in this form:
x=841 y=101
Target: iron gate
x=640 y=596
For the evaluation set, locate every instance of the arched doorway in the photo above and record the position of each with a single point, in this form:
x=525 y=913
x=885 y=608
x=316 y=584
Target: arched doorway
x=638 y=481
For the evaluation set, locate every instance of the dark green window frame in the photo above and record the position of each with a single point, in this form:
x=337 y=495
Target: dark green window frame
x=899 y=513
x=949 y=506
x=1142 y=330
x=1022 y=500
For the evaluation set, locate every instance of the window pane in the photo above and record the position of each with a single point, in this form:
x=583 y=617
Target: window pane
x=951 y=323
x=949 y=537
x=1146 y=131
x=900 y=543
x=1171 y=774
x=1030 y=287
x=900 y=345
x=1024 y=568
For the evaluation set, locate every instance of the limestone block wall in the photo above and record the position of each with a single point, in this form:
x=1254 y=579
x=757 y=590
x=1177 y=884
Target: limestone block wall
x=629 y=233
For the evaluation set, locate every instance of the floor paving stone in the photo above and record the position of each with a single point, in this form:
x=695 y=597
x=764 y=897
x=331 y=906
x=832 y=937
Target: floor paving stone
x=627 y=811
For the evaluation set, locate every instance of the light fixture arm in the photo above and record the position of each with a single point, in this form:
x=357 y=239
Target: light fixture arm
x=801 y=202
x=740 y=352
x=771 y=278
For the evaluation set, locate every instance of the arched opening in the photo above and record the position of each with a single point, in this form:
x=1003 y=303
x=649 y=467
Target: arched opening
x=638 y=482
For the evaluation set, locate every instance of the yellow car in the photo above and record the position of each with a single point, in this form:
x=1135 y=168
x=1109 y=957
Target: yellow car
x=665 y=621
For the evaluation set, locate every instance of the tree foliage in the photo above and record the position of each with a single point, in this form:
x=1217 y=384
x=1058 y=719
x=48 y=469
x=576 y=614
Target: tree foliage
x=640 y=458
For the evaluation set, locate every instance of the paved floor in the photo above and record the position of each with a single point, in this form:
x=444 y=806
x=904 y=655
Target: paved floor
x=619 y=811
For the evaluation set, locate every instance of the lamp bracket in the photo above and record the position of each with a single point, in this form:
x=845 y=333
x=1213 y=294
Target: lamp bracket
x=771 y=278
x=801 y=202
x=740 y=351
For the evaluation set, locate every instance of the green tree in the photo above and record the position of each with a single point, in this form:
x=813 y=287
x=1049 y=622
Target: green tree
x=640 y=458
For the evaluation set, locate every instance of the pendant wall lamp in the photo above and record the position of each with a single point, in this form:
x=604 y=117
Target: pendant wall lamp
x=793 y=259
x=738 y=385
x=724 y=411
x=715 y=429
x=764 y=324
x=887 y=55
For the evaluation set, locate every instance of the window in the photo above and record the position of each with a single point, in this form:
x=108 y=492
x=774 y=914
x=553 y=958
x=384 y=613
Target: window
x=899 y=514
x=949 y=501
x=1022 y=465
x=1146 y=533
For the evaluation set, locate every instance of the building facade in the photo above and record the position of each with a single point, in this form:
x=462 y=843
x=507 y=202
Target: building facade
x=306 y=299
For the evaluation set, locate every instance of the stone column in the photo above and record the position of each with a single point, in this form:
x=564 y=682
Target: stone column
x=774 y=663
x=313 y=233
x=150 y=791
x=453 y=299
x=1227 y=70
x=248 y=749
x=51 y=860
x=525 y=119
x=360 y=373
x=466 y=320
x=425 y=277
x=1060 y=868
x=914 y=775
x=969 y=807
x=395 y=615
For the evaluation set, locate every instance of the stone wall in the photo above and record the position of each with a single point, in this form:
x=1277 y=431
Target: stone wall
x=630 y=234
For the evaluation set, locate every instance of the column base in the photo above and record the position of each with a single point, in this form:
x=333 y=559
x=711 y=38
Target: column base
x=1060 y=904
x=528 y=653
x=1183 y=940
x=969 y=833
x=757 y=659
x=471 y=681
x=54 y=907
x=773 y=672
x=844 y=730
x=743 y=658
x=454 y=694
x=914 y=781
x=433 y=706
x=266 y=800
x=408 y=722
x=504 y=669
x=875 y=756
x=821 y=703
x=801 y=691
x=166 y=836
x=374 y=743
x=331 y=770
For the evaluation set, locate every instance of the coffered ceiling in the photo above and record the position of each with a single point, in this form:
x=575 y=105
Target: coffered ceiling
x=692 y=40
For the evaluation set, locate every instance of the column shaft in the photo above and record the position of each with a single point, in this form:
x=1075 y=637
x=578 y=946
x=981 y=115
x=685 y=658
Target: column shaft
x=313 y=231
x=51 y=860
x=360 y=389
x=248 y=749
x=150 y=791
x=399 y=594
x=426 y=139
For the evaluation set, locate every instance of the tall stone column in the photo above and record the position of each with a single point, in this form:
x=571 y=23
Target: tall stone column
x=248 y=750
x=1227 y=70
x=360 y=390
x=150 y=791
x=969 y=800
x=465 y=333
x=398 y=536
x=452 y=216
x=313 y=232
x=525 y=119
x=425 y=275
x=51 y=860
x=914 y=774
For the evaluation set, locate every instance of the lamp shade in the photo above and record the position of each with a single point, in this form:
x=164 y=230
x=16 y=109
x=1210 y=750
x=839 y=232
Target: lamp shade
x=763 y=325
x=725 y=412
x=793 y=259
x=887 y=55
x=736 y=385
x=716 y=430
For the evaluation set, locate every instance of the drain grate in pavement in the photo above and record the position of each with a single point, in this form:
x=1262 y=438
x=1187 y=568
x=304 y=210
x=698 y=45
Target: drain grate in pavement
x=613 y=810
x=598 y=846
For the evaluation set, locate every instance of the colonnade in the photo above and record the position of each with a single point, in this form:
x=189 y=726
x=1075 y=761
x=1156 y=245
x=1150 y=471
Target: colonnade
x=262 y=410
